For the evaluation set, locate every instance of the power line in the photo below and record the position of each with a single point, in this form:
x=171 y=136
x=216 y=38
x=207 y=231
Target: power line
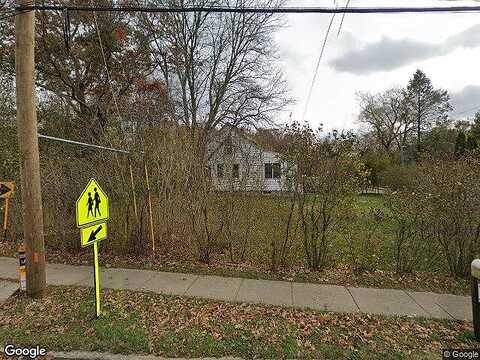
x=11 y=11
x=321 y=55
x=343 y=19
x=106 y=65
x=268 y=10
x=317 y=67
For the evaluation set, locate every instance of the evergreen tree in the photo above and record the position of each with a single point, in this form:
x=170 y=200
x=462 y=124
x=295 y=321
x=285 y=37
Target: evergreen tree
x=460 y=144
x=471 y=143
x=427 y=105
x=475 y=127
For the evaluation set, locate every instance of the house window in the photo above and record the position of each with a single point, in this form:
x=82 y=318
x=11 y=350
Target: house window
x=236 y=171
x=272 y=171
x=268 y=171
x=220 y=170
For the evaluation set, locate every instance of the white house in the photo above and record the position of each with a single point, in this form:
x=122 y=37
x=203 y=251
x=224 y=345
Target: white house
x=237 y=163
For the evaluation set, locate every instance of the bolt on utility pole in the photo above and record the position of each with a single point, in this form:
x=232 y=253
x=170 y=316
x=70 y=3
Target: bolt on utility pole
x=28 y=148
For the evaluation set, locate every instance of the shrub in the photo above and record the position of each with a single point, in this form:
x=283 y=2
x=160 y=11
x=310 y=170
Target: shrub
x=323 y=175
x=398 y=177
x=363 y=239
x=440 y=217
x=451 y=189
x=413 y=247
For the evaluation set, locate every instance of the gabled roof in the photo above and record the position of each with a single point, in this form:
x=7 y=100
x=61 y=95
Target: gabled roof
x=245 y=134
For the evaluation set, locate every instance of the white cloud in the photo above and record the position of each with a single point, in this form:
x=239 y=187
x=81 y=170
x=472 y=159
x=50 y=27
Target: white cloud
x=389 y=54
x=467 y=101
x=333 y=99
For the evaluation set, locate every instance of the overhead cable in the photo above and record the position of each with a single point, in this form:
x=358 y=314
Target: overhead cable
x=312 y=84
x=270 y=10
x=72 y=142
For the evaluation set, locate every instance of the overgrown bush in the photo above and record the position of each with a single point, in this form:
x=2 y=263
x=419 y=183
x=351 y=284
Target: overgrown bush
x=440 y=216
x=377 y=163
x=413 y=246
x=363 y=239
x=322 y=172
x=398 y=177
x=452 y=190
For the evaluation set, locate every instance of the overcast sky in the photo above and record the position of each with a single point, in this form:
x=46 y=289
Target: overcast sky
x=375 y=52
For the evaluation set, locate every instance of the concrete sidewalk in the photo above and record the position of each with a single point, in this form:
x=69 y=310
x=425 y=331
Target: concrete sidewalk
x=300 y=295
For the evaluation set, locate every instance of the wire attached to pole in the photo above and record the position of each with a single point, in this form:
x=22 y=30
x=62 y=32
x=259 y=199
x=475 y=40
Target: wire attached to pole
x=343 y=19
x=66 y=28
x=72 y=142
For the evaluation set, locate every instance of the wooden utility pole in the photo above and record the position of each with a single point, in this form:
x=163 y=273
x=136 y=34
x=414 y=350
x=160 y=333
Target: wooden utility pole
x=28 y=148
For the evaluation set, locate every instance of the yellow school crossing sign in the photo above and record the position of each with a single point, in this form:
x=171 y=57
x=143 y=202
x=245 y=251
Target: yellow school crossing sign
x=92 y=205
x=92 y=211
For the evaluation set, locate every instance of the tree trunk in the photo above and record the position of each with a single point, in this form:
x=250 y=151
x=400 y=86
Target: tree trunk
x=418 y=135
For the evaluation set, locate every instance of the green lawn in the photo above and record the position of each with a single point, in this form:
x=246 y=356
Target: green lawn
x=265 y=225
x=174 y=326
x=370 y=201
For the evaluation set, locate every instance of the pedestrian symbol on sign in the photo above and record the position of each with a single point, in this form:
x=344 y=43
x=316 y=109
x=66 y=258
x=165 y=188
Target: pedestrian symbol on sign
x=92 y=205
x=96 y=199
x=97 y=203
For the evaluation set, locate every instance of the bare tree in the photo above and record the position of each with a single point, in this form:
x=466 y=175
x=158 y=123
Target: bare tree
x=386 y=114
x=219 y=67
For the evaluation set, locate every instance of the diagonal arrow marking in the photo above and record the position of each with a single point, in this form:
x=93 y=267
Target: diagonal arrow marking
x=93 y=234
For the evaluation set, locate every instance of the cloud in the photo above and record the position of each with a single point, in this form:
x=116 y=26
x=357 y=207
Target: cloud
x=388 y=54
x=466 y=102
x=469 y=39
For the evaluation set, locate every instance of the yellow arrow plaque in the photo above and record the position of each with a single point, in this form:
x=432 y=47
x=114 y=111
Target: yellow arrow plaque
x=93 y=233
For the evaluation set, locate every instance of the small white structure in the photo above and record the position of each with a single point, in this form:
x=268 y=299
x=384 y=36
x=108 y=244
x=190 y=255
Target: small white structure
x=237 y=163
